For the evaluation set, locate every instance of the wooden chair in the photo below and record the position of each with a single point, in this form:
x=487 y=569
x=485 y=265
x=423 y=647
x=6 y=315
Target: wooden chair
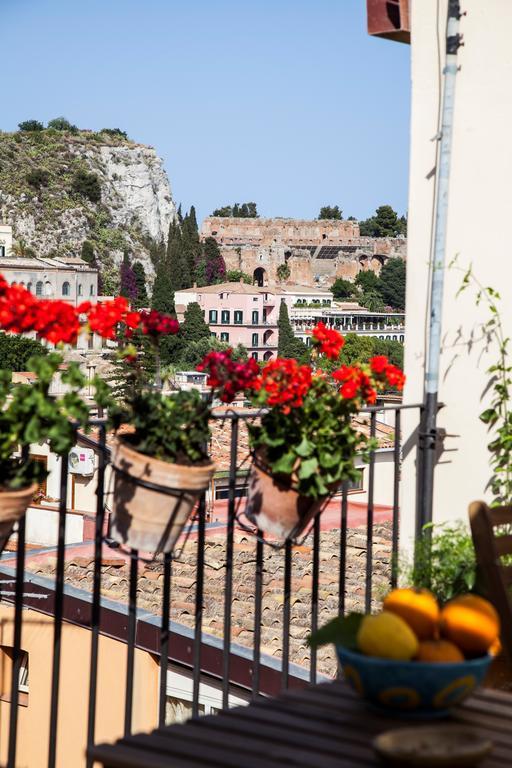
x=496 y=577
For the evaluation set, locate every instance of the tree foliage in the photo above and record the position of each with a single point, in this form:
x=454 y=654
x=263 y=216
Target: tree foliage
x=15 y=351
x=287 y=344
x=367 y=281
x=163 y=292
x=127 y=280
x=238 y=211
x=343 y=289
x=210 y=268
x=391 y=284
x=38 y=177
x=142 y=299
x=283 y=272
x=194 y=327
x=31 y=125
x=385 y=223
x=61 y=124
x=87 y=185
x=87 y=252
x=115 y=132
x=331 y=212
x=235 y=275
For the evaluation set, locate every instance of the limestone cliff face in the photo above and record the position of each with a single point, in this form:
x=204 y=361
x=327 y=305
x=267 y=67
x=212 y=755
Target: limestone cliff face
x=51 y=217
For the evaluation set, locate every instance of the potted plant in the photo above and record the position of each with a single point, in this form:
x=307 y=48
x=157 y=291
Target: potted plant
x=161 y=464
x=29 y=415
x=306 y=443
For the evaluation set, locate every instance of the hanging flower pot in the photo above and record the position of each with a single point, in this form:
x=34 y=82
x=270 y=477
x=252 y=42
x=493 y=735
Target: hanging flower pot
x=13 y=505
x=153 y=499
x=275 y=507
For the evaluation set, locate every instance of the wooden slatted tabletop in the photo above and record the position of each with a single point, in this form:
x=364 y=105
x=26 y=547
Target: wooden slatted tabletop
x=324 y=726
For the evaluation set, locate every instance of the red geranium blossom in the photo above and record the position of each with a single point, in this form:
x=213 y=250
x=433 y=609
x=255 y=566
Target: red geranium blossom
x=228 y=376
x=286 y=383
x=329 y=340
x=154 y=323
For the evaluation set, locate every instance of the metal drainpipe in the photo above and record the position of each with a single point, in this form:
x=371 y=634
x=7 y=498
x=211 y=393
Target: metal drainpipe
x=429 y=434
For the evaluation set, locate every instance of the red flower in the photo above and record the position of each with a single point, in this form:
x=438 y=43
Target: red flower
x=228 y=376
x=329 y=340
x=286 y=383
x=395 y=377
x=349 y=389
x=379 y=363
x=154 y=323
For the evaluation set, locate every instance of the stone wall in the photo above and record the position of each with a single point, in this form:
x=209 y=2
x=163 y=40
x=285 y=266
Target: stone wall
x=317 y=252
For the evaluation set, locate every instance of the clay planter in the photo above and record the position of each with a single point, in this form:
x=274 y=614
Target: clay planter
x=13 y=505
x=275 y=507
x=150 y=519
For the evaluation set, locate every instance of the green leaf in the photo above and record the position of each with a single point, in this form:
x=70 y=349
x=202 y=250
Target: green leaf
x=341 y=631
x=305 y=448
x=308 y=468
x=285 y=463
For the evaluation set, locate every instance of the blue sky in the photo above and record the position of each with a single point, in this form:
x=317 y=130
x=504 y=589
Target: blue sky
x=285 y=102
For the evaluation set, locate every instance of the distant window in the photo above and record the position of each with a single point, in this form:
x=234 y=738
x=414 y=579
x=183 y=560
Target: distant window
x=39 y=288
x=255 y=317
x=225 y=314
x=255 y=340
x=2 y=251
x=254 y=355
x=48 y=288
x=92 y=291
x=213 y=334
x=29 y=287
x=239 y=317
x=224 y=337
x=356 y=485
x=66 y=289
x=80 y=289
x=6 y=663
x=213 y=316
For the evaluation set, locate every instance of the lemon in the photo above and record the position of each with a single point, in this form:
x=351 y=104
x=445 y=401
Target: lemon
x=387 y=636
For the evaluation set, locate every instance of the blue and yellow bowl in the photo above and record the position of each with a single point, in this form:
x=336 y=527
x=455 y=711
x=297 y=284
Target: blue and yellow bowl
x=415 y=687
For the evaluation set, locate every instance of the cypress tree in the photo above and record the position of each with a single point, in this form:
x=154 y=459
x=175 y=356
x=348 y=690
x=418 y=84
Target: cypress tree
x=210 y=267
x=192 y=245
x=128 y=283
x=88 y=252
x=194 y=327
x=140 y=280
x=176 y=259
x=287 y=345
x=163 y=291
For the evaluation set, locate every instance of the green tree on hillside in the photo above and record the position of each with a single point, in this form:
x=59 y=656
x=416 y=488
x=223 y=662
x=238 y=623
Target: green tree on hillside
x=367 y=281
x=238 y=211
x=177 y=260
x=210 y=268
x=235 y=275
x=31 y=125
x=385 y=223
x=330 y=212
x=15 y=351
x=140 y=281
x=163 y=293
x=391 y=285
x=372 y=300
x=287 y=344
x=194 y=327
x=87 y=185
x=87 y=252
x=191 y=243
x=127 y=281
x=61 y=124
x=343 y=289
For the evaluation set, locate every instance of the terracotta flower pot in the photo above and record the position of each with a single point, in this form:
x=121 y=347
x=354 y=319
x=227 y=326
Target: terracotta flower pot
x=13 y=505
x=275 y=507
x=149 y=519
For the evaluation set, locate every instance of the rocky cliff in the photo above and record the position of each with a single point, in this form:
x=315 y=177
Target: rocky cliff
x=52 y=211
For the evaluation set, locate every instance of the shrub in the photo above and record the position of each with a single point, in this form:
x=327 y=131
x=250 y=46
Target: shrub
x=38 y=178
x=87 y=185
x=61 y=124
x=235 y=275
x=15 y=351
x=283 y=272
x=115 y=133
x=31 y=125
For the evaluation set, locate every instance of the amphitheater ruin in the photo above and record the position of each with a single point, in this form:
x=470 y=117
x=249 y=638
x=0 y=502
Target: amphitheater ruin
x=316 y=252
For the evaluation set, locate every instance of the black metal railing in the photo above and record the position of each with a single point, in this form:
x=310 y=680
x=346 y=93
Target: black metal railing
x=249 y=671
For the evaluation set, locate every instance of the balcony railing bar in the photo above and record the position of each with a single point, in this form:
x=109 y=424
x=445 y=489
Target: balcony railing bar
x=258 y=600
x=228 y=583
x=343 y=548
x=396 y=499
x=198 y=625
x=287 y=611
x=96 y=587
x=17 y=655
x=369 y=518
x=315 y=575
x=57 y=626
x=164 y=639
x=132 y=629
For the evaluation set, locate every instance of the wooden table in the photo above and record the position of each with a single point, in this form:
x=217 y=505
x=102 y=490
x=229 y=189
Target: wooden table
x=324 y=726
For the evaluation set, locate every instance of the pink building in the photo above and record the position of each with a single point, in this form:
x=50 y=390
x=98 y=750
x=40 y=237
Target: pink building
x=237 y=313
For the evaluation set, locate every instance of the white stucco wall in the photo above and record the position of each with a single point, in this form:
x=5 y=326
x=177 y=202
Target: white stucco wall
x=478 y=234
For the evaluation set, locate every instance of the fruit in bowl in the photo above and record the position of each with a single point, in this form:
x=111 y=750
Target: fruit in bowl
x=415 y=656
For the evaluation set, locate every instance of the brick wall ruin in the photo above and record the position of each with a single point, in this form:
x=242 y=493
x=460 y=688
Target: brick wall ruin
x=317 y=252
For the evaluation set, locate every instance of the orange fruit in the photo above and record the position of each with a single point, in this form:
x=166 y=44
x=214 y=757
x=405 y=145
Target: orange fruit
x=438 y=651
x=470 y=622
x=417 y=607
